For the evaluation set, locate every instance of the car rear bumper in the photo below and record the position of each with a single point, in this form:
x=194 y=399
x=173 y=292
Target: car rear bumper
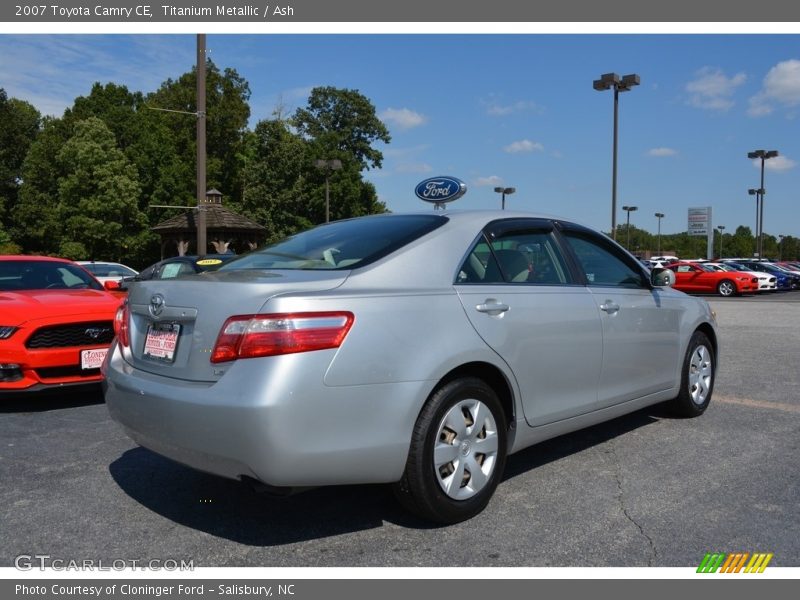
x=272 y=419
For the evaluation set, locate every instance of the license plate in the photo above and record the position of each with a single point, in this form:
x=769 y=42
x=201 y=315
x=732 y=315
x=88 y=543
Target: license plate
x=92 y=359
x=161 y=341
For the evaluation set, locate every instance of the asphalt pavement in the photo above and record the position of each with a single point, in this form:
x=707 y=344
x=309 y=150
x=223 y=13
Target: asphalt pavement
x=642 y=490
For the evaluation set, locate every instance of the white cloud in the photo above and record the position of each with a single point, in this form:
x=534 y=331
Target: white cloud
x=781 y=85
x=662 y=151
x=779 y=164
x=492 y=180
x=523 y=146
x=500 y=110
x=711 y=89
x=403 y=118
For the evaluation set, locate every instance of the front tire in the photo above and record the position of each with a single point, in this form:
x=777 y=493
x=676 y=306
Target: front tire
x=457 y=454
x=697 y=378
x=726 y=288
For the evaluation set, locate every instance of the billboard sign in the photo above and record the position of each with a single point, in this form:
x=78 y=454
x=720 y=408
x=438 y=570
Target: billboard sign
x=700 y=221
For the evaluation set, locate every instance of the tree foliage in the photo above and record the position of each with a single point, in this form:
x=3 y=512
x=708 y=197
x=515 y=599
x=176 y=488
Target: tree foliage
x=19 y=126
x=99 y=195
x=342 y=124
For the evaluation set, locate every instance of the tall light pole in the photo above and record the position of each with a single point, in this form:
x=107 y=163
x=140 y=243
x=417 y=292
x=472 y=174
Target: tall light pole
x=757 y=194
x=629 y=210
x=504 y=191
x=624 y=84
x=721 y=229
x=763 y=155
x=659 y=216
x=333 y=164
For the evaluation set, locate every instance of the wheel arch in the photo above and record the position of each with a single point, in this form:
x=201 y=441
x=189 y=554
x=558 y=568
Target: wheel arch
x=709 y=332
x=494 y=378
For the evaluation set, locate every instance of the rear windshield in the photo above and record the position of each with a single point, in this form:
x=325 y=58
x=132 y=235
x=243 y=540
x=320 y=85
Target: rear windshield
x=340 y=245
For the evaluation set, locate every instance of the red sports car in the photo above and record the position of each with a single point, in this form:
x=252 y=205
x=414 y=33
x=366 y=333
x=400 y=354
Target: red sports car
x=702 y=279
x=56 y=324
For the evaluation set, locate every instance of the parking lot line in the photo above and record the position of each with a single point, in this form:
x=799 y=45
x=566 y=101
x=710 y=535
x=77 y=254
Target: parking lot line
x=793 y=408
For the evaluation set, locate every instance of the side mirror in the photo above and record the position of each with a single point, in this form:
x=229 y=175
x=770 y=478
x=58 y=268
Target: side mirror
x=662 y=277
x=112 y=286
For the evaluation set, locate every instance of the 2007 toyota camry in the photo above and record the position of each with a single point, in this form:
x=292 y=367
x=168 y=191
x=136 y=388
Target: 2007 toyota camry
x=413 y=349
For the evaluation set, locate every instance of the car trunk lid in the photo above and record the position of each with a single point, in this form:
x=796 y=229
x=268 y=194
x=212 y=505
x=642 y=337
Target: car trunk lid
x=174 y=324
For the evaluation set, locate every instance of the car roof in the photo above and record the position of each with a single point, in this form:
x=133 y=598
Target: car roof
x=34 y=258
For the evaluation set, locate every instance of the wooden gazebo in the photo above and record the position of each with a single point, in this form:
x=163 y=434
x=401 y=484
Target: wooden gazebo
x=226 y=230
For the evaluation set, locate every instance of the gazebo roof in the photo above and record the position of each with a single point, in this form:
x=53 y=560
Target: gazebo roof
x=218 y=218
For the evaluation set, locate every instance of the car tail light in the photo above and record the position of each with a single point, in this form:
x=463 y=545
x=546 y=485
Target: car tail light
x=121 y=325
x=249 y=336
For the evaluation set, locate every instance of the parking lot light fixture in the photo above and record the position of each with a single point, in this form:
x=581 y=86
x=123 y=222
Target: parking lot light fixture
x=608 y=81
x=721 y=230
x=659 y=216
x=504 y=191
x=629 y=210
x=763 y=155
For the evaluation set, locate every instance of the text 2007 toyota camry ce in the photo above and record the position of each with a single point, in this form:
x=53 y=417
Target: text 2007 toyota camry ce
x=412 y=349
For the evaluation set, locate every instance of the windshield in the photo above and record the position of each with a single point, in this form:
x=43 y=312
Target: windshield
x=18 y=275
x=340 y=245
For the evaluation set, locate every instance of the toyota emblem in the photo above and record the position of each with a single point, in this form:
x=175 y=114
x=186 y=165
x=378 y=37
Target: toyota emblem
x=157 y=304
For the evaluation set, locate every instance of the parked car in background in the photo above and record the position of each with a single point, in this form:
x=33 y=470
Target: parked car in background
x=177 y=266
x=785 y=281
x=767 y=282
x=698 y=278
x=107 y=271
x=412 y=349
x=56 y=324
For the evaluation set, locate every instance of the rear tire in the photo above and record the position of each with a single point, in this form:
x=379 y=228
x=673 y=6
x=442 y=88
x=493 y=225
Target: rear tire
x=697 y=378
x=457 y=454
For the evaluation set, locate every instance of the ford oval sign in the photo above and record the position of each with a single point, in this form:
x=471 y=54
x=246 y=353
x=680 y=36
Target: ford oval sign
x=439 y=190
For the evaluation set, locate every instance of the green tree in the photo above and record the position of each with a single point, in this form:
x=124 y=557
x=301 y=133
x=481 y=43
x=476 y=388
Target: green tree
x=273 y=194
x=98 y=196
x=36 y=224
x=342 y=124
x=227 y=114
x=19 y=126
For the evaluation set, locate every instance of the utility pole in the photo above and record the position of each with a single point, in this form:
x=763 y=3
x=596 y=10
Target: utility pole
x=201 y=145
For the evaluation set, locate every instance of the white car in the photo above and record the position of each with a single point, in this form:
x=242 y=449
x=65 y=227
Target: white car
x=107 y=271
x=766 y=281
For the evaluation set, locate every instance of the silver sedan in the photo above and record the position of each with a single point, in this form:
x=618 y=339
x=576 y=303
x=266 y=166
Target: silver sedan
x=412 y=349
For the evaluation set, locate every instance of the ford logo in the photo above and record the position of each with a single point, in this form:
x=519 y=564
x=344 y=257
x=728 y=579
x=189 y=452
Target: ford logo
x=440 y=189
x=96 y=332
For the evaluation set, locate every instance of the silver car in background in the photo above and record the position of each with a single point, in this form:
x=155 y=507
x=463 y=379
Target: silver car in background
x=412 y=349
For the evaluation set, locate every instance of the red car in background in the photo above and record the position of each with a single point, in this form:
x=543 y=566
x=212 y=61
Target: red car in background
x=702 y=279
x=56 y=324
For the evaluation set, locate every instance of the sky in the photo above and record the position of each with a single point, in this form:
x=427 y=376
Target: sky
x=514 y=110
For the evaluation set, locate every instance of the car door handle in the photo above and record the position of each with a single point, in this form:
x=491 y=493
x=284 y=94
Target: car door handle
x=610 y=307
x=492 y=307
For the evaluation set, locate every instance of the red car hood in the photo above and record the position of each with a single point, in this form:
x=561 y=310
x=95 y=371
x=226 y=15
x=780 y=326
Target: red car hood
x=18 y=307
